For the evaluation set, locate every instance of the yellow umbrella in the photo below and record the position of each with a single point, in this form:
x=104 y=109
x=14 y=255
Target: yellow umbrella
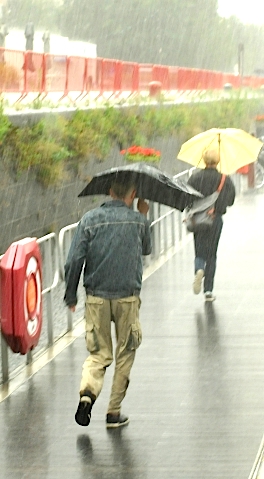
x=236 y=148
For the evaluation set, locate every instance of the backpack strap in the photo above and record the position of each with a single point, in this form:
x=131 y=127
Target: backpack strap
x=221 y=183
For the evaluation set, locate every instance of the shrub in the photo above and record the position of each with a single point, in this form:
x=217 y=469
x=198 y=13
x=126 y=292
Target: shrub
x=54 y=143
x=9 y=77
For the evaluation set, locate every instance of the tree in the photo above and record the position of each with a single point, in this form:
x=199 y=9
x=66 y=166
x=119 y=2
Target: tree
x=186 y=33
x=43 y=13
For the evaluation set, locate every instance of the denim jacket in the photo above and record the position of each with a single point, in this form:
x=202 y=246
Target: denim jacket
x=109 y=241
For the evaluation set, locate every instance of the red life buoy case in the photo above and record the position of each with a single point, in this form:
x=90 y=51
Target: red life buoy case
x=20 y=295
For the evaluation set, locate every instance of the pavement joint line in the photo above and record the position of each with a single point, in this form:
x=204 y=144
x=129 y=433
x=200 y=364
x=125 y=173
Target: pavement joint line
x=63 y=342
x=257 y=471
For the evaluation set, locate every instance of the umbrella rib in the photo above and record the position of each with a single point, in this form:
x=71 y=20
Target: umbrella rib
x=219 y=151
x=205 y=149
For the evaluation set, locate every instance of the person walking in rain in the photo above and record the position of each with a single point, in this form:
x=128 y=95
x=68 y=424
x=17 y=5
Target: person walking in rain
x=109 y=241
x=29 y=35
x=46 y=41
x=206 y=181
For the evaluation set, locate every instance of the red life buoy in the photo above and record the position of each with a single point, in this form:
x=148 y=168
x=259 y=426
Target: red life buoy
x=21 y=295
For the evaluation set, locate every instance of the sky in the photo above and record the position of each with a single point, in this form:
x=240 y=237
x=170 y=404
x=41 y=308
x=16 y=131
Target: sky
x=247 y=11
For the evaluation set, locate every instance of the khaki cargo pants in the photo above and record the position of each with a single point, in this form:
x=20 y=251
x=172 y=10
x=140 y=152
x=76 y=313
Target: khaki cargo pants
x=99 y=313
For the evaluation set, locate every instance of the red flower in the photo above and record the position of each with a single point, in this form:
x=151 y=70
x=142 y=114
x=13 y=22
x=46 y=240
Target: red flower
x=139 y=153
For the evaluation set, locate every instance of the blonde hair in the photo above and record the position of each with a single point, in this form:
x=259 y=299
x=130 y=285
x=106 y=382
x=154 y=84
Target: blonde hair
x=211 y=157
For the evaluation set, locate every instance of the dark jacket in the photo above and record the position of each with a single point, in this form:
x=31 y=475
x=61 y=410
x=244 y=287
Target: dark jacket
x=207 y=181
x=109 y=241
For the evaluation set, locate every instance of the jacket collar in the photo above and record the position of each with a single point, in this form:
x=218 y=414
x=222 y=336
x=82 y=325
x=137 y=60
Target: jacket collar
x=114 y=203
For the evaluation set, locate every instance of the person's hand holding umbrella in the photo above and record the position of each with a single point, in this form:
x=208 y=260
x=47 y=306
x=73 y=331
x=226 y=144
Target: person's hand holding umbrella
x=142 y=206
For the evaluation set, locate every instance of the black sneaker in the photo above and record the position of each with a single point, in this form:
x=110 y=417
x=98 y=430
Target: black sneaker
x=83 y=413
x=116 y=420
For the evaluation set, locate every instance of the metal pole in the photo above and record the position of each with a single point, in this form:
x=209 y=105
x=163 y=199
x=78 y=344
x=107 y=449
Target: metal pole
x=180 y=225
x=165 y=234
x=251 y=175
x=4 y=360
x=29 y=357
x=173 y=226
x=155 y=233
x=49 y=296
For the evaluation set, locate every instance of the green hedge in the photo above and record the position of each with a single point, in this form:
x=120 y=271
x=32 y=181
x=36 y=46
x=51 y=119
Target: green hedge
x=54 y=144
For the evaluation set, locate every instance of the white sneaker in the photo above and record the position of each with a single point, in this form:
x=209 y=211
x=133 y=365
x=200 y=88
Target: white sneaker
x=208 y=296
x=197 y=284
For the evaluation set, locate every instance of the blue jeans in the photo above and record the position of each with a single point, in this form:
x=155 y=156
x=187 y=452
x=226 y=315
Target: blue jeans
x=205 y=246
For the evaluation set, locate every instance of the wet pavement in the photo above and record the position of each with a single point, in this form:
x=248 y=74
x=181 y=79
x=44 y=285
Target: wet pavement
x=196 y=397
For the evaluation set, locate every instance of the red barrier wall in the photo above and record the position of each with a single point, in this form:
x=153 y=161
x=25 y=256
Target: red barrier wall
x=144 y=76
x=33 y=72
x=76 y=74
x=215 y=80
x=109 y=73
x=129 y=76
x=91 y=74
x=173 y=78
x=187 y=79
x=11 y=72
x=234 y=80
x=56 y=73
x=161 y=74
x=26 y=72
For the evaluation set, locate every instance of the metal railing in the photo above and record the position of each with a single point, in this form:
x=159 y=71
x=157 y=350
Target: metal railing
x=167 y=230
x=49 y=253
x=259 y=175
x=50 y=259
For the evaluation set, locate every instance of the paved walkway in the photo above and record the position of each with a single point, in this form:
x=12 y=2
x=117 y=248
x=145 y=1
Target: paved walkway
x=196 y=398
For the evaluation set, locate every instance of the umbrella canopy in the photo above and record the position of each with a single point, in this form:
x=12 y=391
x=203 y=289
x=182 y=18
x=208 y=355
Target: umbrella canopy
x=151 y=184
x=236 y=148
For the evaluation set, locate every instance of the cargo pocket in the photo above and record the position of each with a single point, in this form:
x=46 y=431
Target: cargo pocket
x=92 y=313
x=130 y=316
x=91 y=338
x=135 y=337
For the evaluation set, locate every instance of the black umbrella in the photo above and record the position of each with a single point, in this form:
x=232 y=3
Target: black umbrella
x=150 y=183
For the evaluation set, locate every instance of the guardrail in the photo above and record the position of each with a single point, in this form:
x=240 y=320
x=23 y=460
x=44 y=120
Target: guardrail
x=25 y=72
x=167 y=231
x=49 y=254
